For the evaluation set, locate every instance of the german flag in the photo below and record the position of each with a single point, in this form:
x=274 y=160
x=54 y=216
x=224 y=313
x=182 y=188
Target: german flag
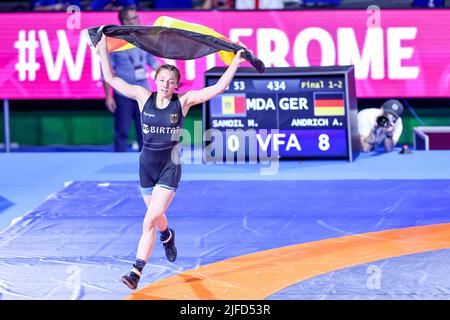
x=172 y=39
x=228 y=106
x=329 y=104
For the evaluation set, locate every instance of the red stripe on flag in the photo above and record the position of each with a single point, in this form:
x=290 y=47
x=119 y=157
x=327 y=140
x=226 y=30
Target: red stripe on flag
x=239 y=104
x=115 y=43
x=328 y=103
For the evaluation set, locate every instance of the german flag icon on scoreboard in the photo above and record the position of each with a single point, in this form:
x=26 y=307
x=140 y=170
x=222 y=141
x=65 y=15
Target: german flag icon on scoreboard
x=329 y=104
x=228 y=106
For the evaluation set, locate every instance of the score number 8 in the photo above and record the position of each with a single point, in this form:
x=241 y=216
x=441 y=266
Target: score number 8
x=324 y=142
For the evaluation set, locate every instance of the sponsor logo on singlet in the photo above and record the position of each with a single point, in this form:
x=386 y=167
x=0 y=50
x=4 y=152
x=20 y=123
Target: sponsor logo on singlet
x=160 y=130
x=151 y=115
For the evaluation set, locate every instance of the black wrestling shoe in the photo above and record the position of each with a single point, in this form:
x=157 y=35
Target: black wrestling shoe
x=131 y=279
x=169 y=246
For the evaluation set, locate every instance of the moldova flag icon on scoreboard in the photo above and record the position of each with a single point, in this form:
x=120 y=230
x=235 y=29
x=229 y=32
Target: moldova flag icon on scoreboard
x=228 y=106
x=329 y=104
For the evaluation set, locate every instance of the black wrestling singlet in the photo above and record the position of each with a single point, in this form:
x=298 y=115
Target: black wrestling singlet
x=159 y=162
x=161 y=127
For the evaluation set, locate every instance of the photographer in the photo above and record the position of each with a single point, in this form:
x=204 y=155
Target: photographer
x=381 y=126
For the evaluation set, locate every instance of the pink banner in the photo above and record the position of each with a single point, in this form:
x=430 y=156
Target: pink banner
x=396 y=53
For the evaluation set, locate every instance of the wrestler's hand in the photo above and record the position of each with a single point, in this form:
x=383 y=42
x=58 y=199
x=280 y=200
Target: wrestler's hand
x=238 y=57
x=101 y=45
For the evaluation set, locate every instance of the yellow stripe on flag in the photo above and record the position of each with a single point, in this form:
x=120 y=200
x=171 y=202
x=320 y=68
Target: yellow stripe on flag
x=165 y=21
x=329 y=111
x=228 y=105
x=125 y=47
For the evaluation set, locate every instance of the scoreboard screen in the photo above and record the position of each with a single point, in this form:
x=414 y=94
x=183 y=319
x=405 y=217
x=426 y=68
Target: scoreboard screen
x=290 y=112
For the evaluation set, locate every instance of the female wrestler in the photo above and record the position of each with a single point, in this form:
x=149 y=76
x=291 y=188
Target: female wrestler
x=162 y=114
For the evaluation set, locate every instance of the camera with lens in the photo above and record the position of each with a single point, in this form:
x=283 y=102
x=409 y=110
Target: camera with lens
x=383 y=121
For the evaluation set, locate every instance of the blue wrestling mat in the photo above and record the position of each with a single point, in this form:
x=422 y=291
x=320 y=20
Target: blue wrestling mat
x=4 y=203
x=80 y=240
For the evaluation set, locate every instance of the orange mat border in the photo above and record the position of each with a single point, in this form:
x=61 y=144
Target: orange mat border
x=259 y=275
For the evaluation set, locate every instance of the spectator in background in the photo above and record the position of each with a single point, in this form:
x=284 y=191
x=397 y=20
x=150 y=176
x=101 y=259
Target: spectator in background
x=429 y=3
x=114 y=5
x=129 y=65
x=292 y=4
x=214 y=4
x=173 y=4
x=321 y=3
x=381 y=126
x=53 y=5
x=261 y=4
